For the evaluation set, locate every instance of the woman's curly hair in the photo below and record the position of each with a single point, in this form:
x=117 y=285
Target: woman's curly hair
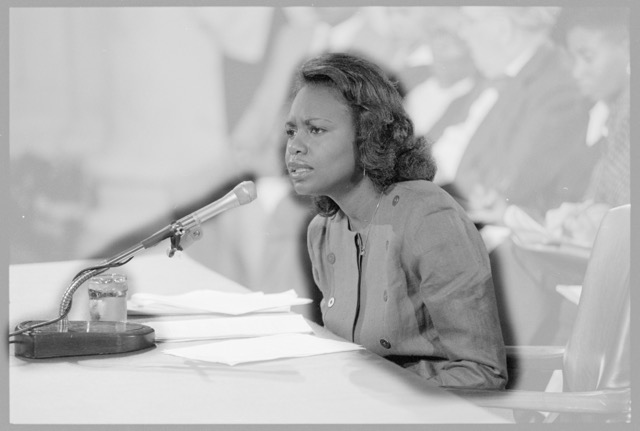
x=388 y=151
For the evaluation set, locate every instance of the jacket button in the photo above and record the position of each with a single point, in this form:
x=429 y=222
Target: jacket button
x=384 y=343
x=395 y=200
x=331 y=301
x=385 y=296
x=332 y=258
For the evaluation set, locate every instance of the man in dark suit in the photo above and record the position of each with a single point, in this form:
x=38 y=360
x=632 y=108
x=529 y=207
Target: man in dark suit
x=528 y=146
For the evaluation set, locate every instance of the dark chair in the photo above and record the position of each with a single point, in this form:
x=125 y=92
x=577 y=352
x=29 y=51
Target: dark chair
x=595 y=363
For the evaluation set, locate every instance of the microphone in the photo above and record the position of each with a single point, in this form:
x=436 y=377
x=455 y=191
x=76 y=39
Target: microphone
x=187 y=229
x=241 y=194
x=42 y=339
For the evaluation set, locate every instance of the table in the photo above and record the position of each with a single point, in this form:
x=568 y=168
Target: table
x=151 y=387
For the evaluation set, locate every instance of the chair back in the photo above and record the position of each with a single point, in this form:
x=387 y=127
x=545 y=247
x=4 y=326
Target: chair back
x=597 y=355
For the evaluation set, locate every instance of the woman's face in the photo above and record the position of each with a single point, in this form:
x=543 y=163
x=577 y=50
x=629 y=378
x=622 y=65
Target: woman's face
x=321 y=151
x=599 y=63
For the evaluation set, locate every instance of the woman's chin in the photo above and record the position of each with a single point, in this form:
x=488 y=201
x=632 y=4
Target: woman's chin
x=305 y=189
x=301 y=188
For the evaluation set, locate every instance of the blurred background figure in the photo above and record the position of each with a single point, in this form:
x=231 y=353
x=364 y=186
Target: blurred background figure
x=48 y=202
x=598 y=41
x=122 y=114
x=450 y=82
x=525 y=128
x=523 y=141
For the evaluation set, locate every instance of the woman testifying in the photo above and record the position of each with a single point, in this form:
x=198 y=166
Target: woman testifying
x=402 y=270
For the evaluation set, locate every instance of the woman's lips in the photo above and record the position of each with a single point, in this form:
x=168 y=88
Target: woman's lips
x=298 y=170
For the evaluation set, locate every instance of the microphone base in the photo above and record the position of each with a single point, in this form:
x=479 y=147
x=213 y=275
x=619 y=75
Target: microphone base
x=82 y=339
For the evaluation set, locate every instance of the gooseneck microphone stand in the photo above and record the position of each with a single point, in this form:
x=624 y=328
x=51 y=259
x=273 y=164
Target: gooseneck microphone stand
x=46 y=339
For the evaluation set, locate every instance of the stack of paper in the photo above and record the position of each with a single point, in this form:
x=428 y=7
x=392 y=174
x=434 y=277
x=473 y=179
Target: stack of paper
x=211 y=301
x=229 y=327
x=255 y=322
x=234 y=352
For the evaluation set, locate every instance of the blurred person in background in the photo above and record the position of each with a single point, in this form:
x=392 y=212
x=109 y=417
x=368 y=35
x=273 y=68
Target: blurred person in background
x=402 y=269
x=598 y=41
x=525 y=128
x=522 y=142
x=118 y=116
x=451 y=82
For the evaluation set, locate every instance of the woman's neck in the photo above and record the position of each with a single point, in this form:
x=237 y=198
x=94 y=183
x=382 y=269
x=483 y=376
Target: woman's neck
x=359 y=204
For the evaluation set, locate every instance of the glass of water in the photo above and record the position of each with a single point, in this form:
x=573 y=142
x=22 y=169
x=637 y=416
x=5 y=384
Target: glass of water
x=108 y=298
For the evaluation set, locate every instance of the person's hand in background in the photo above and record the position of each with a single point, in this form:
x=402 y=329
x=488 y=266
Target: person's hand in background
x=486 y=206
x=578 y=221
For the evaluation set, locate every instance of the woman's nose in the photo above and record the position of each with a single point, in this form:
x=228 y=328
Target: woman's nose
x=296 y=145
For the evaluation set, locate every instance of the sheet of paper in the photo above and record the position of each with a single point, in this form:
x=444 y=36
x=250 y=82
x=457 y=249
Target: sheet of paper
x=229 y=327
x=570 y=291
x=211 y=301
x=493 y=236
x=233 y=352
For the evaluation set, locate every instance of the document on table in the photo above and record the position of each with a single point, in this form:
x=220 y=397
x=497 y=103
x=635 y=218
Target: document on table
x=233 y=352
x=229 y=327
x=529 y=230
x=211 y=301
x=571 y=292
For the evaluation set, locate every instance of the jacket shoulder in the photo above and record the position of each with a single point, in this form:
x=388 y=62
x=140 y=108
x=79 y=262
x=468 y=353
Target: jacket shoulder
x=424 y=196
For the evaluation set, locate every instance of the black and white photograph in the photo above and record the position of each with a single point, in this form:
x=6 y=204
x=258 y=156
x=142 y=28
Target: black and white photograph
x=292 y=215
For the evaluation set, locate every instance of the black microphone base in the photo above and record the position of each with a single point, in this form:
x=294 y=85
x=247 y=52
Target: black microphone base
x=81 y=339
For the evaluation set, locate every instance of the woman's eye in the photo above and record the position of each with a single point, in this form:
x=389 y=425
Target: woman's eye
x=290 y=132
x=315 y=130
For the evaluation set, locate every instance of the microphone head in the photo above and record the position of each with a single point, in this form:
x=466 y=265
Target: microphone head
x=245 y=192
